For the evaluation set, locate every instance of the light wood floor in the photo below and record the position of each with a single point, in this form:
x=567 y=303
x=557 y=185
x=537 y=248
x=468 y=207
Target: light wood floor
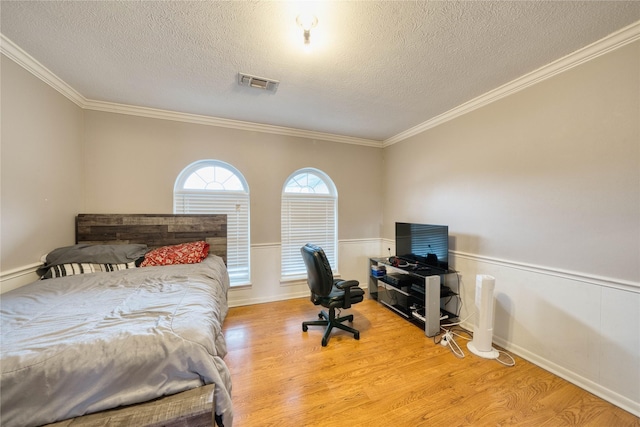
x=393 y=376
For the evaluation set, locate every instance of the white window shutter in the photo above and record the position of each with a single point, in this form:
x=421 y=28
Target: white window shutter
x=307 y=218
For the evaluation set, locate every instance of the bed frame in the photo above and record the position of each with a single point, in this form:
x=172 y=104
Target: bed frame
x=154 y=230
x=191 y=408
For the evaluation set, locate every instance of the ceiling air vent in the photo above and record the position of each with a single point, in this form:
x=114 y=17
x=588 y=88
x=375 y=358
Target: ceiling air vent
x=257 y=82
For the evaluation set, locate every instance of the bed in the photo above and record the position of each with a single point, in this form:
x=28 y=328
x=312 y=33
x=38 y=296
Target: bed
x=147 y=336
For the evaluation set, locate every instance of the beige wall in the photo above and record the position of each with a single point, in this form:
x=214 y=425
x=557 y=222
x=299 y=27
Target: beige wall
x=41 y=169
x=548 y=176
x=132 y=164
x=542 y=191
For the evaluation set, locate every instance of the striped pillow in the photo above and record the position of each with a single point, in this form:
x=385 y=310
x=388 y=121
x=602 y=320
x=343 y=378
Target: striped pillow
x=74 y=268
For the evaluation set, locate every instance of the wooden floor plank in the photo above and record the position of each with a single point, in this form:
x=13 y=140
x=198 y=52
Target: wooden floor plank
x=394 y=375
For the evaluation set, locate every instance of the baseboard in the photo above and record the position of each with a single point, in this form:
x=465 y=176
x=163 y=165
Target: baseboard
x=235 y=301
x=580 y=381
x=239 y=301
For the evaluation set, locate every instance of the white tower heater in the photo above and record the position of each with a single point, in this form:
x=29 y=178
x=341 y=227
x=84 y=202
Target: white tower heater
x=483 y=329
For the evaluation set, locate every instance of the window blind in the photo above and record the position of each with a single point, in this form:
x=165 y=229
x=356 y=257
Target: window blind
x=236 y=206
x=306 y=218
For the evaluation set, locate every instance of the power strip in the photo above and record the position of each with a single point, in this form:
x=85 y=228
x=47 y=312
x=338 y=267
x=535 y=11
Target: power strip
x=446 y=339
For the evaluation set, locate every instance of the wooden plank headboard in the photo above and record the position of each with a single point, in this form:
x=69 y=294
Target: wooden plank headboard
x=153 y=229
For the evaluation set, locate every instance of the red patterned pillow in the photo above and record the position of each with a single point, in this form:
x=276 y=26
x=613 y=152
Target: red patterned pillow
x=184 y=253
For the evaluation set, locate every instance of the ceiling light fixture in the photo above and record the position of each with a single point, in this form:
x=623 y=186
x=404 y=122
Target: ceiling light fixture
x=307 y=22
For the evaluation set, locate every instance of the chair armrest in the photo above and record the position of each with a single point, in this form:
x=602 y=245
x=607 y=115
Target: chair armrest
x=346 y=286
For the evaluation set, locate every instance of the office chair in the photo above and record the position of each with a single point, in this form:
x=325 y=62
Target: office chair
x=329 y=292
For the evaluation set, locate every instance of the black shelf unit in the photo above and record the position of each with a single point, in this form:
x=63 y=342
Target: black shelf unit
x=423 y=297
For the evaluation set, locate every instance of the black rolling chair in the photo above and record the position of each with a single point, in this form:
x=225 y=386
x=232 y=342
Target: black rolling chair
x=329 y=292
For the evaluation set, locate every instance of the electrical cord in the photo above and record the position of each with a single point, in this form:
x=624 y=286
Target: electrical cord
x=455 y=294
x=511 y=363
x=447 y=339
x=459 y=322
x=469 y=338
x=459 y=308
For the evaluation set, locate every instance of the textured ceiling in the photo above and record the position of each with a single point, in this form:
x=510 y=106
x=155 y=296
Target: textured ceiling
x=374 y=70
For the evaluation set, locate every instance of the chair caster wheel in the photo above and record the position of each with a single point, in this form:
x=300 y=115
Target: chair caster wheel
x=320 y=316
x=305 y=328
x=357 y=336
x=324 y=342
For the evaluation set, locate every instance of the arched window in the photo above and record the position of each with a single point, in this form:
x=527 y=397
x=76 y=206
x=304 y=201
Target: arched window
x=309 y=215
x=215 y=187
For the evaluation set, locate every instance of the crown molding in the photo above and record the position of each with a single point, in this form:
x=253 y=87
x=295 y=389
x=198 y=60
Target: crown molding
x=29 y=63
x=132 y=110
x=612 y=42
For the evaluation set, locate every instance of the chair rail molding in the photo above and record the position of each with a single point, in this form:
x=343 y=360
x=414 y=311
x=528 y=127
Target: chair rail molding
x=625 y=285
x=17 y=277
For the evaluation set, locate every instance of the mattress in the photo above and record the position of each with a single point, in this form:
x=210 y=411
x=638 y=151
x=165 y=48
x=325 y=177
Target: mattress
x=86 y=343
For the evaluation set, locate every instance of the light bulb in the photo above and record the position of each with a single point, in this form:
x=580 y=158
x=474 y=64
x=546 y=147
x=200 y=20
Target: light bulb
x=307 y=21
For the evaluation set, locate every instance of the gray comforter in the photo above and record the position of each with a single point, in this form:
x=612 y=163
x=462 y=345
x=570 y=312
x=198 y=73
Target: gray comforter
x=81 y=344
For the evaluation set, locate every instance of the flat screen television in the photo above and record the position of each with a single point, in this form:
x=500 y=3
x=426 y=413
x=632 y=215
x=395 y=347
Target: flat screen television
x=423 y=243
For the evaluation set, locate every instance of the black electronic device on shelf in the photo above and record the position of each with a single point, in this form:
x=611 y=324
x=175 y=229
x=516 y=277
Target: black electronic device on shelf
x=425 y=245
x=397 y=279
